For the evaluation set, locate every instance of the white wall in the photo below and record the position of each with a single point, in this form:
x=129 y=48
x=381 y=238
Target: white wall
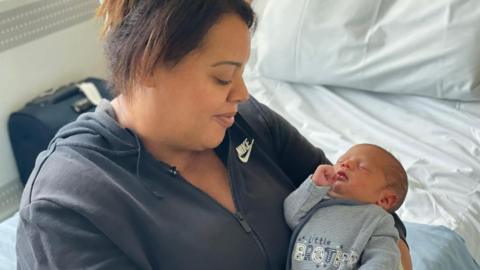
x=25 y=71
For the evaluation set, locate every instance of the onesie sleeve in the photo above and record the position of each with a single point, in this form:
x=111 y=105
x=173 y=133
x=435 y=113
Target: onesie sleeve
x=381 y=251
x=300 y=201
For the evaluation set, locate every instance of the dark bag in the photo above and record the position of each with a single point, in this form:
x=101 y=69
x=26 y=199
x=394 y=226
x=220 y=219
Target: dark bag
x=32 y=127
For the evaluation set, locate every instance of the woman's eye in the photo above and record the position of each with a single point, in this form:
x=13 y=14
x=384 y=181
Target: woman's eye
x=223 y=82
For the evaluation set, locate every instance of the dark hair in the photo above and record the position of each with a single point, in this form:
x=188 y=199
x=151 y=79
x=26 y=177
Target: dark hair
x=143 y=34
x=395 y=176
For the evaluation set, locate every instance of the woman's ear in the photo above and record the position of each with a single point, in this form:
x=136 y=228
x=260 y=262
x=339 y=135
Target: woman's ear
x=388 y=198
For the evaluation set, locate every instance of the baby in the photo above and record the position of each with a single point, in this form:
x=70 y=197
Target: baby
x=340 y=215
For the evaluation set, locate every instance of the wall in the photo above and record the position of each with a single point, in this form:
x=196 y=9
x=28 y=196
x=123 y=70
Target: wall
x=54 y=53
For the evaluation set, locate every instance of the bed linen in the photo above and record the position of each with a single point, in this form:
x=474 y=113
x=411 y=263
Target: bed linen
x=437 y=141
x=8 y=230
x=437 y=247
x=420 y=47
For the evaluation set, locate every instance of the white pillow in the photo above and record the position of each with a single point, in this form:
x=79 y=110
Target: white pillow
x=422 y=47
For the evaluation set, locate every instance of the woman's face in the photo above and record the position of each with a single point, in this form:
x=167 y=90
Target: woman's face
x=189 y=107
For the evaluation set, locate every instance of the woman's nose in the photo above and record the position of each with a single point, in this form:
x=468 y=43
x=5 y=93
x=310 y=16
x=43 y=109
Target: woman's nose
x=239 y=92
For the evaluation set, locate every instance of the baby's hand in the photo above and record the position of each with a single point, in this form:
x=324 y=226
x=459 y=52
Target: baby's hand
x=324 y=175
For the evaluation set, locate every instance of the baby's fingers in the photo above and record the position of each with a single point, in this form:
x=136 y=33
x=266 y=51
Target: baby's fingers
x=322 y=174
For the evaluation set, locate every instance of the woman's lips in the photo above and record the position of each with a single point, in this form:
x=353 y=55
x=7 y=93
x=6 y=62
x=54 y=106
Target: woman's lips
x=225 y=120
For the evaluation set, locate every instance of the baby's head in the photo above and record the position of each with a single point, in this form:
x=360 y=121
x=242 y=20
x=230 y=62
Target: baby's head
x=370 y=174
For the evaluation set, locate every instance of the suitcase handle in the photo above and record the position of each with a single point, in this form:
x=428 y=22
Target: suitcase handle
x=64 y=93
x=55 y=95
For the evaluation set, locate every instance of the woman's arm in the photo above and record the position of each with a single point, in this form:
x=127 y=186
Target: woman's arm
x=401 y=243
x=297 y=157
x=50 y=236
x=405 y=258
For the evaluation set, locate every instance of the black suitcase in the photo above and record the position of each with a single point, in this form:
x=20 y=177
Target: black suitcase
x=32 y=127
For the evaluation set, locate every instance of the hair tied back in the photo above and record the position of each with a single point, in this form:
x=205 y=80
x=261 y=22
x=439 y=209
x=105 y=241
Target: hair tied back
x=114 y=11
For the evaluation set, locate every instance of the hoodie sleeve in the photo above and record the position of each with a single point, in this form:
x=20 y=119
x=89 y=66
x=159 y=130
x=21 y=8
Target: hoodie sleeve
x=300 y=201
x=52 y=237
x=291 y=150
x=381 y=251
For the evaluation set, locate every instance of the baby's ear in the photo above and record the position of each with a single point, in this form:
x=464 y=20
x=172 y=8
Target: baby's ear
x=388 y=198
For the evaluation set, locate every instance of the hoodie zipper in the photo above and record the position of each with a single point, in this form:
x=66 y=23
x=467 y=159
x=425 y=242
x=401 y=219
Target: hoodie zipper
x=244 y=223
x=237 y=215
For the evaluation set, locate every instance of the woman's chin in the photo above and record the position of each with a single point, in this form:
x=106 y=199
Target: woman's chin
x=214 y=140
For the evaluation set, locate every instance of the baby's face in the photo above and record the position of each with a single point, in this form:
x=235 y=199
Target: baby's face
x=360 y=175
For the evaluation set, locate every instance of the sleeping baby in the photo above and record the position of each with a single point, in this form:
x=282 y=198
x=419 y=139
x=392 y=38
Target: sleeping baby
x=341 y=216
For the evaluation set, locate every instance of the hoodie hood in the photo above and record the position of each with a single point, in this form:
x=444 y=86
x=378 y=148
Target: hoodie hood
x=99 y=130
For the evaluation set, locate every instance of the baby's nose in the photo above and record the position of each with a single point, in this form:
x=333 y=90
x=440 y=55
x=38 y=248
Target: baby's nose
x=345 y=164
x=348 y=164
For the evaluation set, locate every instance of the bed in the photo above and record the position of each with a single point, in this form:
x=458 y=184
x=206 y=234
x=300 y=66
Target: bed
x=401 y=74
x=346 y=72
x=8 y=228
x=439 y=152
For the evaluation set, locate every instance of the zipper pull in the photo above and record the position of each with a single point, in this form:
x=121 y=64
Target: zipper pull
x=243 y=222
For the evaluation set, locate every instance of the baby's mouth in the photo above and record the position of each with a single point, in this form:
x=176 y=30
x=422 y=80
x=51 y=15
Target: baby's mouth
x=341 y=176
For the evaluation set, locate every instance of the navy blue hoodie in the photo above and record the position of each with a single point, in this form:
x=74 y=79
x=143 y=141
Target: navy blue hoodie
x=98 y=200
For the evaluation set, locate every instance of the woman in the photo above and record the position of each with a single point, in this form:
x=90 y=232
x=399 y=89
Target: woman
x=181 y=170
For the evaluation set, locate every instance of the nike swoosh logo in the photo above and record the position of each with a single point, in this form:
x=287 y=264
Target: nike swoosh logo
x=244 y=150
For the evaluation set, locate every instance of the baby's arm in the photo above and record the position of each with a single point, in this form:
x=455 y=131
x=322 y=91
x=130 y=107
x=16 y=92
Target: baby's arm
x=381 y=251
x=310 y=192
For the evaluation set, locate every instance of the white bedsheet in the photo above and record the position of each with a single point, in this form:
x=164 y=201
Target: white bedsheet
x=437 y=141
